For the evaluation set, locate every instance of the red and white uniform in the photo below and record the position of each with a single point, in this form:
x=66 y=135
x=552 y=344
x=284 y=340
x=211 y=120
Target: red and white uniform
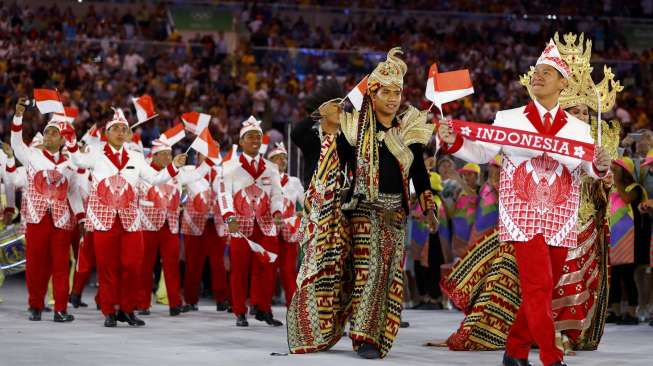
x=160 y=208
x=538 y=210
x=86 y=253
x=113 y=215
x=250 y=191
x=205 y=235
x=293 y=197
x=49 y=219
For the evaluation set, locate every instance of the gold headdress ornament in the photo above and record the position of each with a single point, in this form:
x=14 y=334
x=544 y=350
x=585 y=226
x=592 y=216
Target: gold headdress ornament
x=581 y=89
x=389 y=72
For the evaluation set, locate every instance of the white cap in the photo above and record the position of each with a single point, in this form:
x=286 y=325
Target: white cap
x=250 y=124
x=551 y=56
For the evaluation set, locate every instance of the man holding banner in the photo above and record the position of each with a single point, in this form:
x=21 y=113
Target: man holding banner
x=544 y=152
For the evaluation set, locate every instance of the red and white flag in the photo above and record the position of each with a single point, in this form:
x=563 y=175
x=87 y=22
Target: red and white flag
x=357 y=94
x=144 y=108
x=205 y=145
x=92 y=136
x=48 y=101
x=259 y=250
x=196 y=122
x=231 y=154
x=69 y=115
x=447 y=86
x=265 y=142
x=173 y=135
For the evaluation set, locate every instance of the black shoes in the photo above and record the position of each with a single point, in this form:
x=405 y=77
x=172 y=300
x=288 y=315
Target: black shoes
x=144 y=312
x=368 y=351
x=174 y=311
x=268 y=318
x=110 y=321
x=627 y=319
x=612 y=318
x=34 y=315
x=222 y=306
x=510 y=361
x=193 y=307
x=253 y=310
x=130 y=319
x=76 y=301
x=241 y=321
x=63 y=317
x=404 y=324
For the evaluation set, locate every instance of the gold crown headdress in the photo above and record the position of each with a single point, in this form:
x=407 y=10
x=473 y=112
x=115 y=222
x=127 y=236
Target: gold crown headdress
x=581 y=88
x=389 y=72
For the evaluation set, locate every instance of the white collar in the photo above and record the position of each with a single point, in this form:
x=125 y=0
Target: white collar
x=541 y=110
x=251 y=159
x=114 y=150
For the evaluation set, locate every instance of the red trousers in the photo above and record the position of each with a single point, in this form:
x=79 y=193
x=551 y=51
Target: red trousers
x=119 y=256
x=540 y=268
x=244 y=261
x=196 y=249
x=85 y=266
x=287 y=264
x=47 y=254
x=167 y=244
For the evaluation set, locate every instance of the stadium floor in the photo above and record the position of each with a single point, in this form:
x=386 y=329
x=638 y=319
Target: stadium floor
x=210 y=338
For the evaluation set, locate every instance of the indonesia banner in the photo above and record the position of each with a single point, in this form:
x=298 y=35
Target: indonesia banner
x=529 y=140
x=48 y=101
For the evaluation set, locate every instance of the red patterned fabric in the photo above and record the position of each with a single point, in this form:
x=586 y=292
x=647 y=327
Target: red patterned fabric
x=539 y=196
x=47 y=191
x=198 y=210
x=162 y=203
x=113 y=195
x=253 y=204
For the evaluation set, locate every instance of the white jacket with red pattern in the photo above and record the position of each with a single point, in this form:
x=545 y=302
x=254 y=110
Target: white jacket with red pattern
x=293 y=198
x=159 y=203
x=48 y=178
x=538 y=193
x=250 y=194
x=115 y=178
x=202 y=205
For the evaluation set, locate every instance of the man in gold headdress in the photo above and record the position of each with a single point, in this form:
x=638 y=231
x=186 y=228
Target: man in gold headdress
x=355 y=272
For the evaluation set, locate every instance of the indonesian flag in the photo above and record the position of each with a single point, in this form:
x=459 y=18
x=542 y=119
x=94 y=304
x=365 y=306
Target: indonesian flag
x=69 y=115
x=173 y=135
x=231 y=154
x=447 y=86
x=205 y=145
x=48 y=101
x=259 y=250
x=92 y=136
x=264 y=144
x=144 y=108
x=356 y=95
x=195 y=122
